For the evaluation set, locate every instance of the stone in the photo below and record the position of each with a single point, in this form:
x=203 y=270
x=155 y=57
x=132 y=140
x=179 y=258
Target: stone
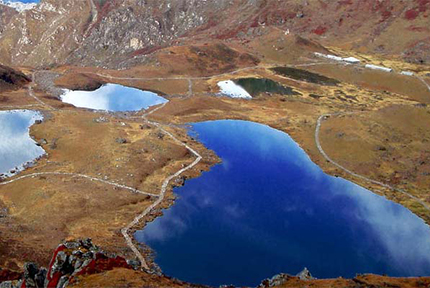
x=30 y=272
x=6 y=284
x=134 y=263
x=40 y=277
x=305 y=275
x=121 y=140
x=160 y=135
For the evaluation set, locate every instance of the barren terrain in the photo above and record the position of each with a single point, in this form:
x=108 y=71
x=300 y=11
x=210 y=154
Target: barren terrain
x=102 y=169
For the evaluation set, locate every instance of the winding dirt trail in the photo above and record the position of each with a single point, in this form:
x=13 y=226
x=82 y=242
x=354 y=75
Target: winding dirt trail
x=177 y=77
x=125 y=230
x=424 y=82
x=79 y=176
x=321 y=150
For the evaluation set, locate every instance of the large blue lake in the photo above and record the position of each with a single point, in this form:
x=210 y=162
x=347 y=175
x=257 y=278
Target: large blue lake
x=113 y=97
x=267 y=208
x=16 y=146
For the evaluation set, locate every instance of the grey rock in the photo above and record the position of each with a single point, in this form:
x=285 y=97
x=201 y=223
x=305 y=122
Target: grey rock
x=40 y=277
x=160 y=135
x=101 y=119
x=121 y=140
x=64 y=280
x=276 y=280
x=78 y=264
x=87 y=243
x=134 y=263
x=6 y=284
x=30 y=272
x=305 y=275
x=71 y=245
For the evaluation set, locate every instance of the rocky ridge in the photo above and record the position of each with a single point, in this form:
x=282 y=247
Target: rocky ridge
x=120 y=33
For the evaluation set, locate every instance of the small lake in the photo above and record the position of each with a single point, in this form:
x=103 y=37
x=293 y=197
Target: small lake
x=113 y=97
x=16 y=146
x=257 y=86
x=231 y=89
x=267 y=208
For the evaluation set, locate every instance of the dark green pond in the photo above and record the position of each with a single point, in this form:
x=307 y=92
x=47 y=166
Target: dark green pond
x=257 y=86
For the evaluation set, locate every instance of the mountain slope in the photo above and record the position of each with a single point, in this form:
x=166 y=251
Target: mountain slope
x=120 y=33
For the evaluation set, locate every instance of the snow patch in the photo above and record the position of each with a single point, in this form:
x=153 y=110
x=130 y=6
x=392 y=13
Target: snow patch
x=233 y=90
x=407 y=73
x=376 y=67
x=351 y=60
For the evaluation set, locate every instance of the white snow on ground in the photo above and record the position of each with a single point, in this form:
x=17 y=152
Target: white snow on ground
x=407 y=73
x=351 y=60
x=376 y=67
x=18 y=6
x=233 y=90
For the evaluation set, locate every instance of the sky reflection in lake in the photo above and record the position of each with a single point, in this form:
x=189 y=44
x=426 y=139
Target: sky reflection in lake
x=16 y=146
x=269 y=209
x=113 y=97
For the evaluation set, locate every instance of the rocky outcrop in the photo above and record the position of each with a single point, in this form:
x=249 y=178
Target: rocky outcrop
x=70 y=260
x=280 y=279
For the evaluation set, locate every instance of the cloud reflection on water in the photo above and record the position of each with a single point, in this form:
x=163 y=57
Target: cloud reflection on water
x=273 y=205
x=113 y=97
x=16 y=146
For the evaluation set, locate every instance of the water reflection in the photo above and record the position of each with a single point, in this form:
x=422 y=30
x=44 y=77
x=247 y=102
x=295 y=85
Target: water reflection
x=16 y=146
x=269 y=209
x=113 y=97
x=256 y=86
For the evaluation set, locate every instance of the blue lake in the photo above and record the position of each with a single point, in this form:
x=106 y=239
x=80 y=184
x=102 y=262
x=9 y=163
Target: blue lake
x=24 y=1
x=16 y=146
x=267 y=208
x=113 y=97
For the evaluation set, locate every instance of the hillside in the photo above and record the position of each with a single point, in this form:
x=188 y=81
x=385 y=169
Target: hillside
x=11 y=79
x=121 y=33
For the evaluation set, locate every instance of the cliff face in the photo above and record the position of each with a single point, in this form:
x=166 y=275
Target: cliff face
x=117 y=33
